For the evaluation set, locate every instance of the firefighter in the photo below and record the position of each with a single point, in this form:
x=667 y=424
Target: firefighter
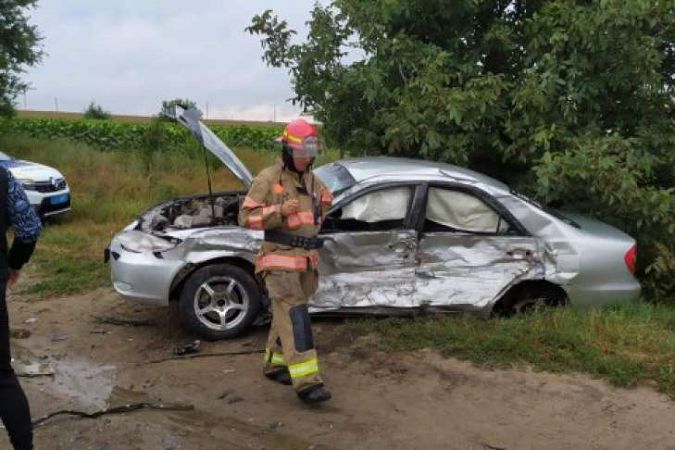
x=289 y=203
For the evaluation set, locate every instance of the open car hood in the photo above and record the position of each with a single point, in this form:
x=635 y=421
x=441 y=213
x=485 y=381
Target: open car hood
x=190 y=118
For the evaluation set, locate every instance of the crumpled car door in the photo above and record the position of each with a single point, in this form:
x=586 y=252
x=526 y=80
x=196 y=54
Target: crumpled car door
x=371 y=263
x=467 y=255
x=366 y=270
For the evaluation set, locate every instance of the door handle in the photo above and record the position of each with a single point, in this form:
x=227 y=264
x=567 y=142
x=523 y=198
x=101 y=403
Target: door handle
x=401 y=246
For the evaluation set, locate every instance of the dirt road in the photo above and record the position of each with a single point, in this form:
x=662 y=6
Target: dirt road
x=381 y=401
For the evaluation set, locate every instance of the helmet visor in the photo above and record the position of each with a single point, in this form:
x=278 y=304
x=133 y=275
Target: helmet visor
x=310 y=147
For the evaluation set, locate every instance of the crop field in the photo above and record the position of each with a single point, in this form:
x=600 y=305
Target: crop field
x=133 y=134
x=125 y=118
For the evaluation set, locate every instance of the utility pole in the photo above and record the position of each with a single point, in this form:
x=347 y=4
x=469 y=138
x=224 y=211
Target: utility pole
x=24 y=99
x=56 y=104
x=207 y=110
x=274 y=117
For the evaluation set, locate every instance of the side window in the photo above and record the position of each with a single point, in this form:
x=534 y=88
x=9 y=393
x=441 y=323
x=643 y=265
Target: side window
x=385 y=209
x=450 y=210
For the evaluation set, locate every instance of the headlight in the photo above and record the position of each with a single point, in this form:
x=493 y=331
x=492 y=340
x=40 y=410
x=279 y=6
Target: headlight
x=27 y=184
x=131 y=226
x=139 y=242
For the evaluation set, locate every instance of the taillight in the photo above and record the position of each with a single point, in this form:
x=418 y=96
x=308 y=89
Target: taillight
x=631 y=258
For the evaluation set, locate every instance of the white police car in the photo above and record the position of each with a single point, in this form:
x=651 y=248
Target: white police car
x=46 y=187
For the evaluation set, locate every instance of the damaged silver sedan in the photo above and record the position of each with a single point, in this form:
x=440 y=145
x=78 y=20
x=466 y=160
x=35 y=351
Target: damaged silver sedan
x=402 y=236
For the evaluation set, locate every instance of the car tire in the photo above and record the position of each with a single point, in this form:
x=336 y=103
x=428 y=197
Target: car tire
x=219 y=301
x=529 y=298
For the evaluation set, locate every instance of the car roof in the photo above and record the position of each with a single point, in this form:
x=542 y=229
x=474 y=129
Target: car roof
x=363 y=168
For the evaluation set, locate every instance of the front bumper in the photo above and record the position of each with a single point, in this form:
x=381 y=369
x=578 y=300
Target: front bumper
x=45 y=204
x=142 y=277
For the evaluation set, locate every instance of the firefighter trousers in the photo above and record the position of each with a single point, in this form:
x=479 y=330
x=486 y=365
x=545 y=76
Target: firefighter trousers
x=290 y=343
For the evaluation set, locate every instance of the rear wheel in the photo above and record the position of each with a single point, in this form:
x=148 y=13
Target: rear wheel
x=219 y=301
x=530 y=297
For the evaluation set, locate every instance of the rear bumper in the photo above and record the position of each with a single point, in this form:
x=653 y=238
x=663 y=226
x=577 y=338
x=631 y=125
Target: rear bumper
x=606 y=294
x=142 y=277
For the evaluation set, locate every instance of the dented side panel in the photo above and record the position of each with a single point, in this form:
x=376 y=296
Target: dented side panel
x=216 y=243
x=471 y=272
x=364 y=269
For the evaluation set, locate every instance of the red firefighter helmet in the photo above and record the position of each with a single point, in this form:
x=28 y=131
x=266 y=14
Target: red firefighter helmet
x=302 y=137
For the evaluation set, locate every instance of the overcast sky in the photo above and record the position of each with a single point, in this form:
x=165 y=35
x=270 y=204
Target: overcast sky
x=129 y=55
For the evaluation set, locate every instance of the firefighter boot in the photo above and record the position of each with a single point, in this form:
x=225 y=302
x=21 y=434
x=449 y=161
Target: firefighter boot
x=314 y=394
x=280 y=375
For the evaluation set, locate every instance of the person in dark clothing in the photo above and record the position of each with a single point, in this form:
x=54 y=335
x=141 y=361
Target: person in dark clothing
x=15 y=212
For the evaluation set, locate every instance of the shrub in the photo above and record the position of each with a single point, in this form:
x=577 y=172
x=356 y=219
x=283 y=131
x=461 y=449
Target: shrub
x=96 y=112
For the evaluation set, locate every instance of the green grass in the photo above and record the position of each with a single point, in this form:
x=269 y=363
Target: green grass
x=626 y=345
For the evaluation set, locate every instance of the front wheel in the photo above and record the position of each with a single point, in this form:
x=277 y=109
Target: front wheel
x=219 y=301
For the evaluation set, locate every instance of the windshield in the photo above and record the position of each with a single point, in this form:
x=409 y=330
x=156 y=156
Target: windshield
x=5 y=157
x=335 y=177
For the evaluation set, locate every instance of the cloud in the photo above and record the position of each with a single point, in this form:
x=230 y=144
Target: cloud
x=128 y=56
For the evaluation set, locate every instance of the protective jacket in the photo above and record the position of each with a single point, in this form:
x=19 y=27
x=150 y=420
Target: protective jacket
x=261 y=210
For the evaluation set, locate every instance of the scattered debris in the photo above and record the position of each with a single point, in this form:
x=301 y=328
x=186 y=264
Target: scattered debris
x=230 y=396
x=158 y=406
x=202 y=355
x=31 y=320
x=27 y=364
x=20 y=333
x=124 y=322
x=492 y=447
x=34 y=369
x=274 y=425
x=59 y=338
x=226 y=392
x=98 y=331
x=186 y=349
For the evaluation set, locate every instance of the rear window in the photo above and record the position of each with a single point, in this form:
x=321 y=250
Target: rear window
x=335 y=177
x=554 y=212
x=561 y=215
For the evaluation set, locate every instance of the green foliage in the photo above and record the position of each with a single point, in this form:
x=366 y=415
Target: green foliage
x=570 y=101
x=96 y=112
x=627 y=345
x=19 y=47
